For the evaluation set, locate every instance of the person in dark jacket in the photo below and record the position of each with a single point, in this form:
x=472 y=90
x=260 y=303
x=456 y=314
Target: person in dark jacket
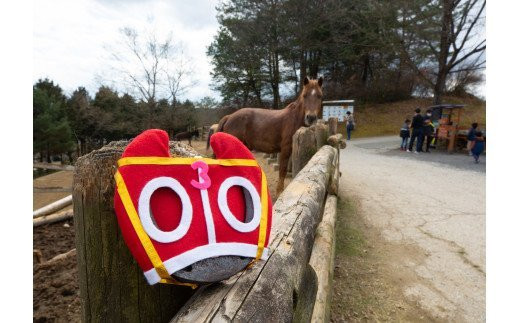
x=428 y=114
x=478 y=146
x=417 y=131
x=350 y=124
x=471 y=137
x=405 y=134
x=428 y=133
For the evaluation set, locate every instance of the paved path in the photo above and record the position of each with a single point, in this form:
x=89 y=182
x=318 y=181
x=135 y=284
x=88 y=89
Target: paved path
x=433 y=202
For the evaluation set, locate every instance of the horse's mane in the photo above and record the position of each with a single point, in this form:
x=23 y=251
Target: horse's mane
x=294 y=105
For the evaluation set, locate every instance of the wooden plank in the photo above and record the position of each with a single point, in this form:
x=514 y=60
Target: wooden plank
x=272 y=289
x=52 y=166
x=52 y=218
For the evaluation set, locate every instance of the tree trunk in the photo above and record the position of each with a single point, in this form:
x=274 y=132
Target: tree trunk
x=438 y=90
x=303 y=67
x=314 y=66
x=276 y=81
x=442 y=71
x=112 y=286
x=295 y=71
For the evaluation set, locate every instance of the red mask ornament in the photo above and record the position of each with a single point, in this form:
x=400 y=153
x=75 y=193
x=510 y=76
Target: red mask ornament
x=174 y=212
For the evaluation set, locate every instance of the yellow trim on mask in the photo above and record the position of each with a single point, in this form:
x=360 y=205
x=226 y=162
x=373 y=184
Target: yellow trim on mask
x=143 y=237
x=184 y=161
x=136 y=222
x=263 y=219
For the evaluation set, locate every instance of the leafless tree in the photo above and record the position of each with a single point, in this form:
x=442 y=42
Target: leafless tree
x=153 y=68
x=459 y=19
x=178 y=74
x=445 y=33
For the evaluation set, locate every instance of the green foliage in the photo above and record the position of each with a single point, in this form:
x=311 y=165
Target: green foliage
x=51 y=130
x=370 y=50
x=80 y=122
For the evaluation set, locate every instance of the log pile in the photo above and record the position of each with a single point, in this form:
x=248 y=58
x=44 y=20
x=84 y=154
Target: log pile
x=53 y=207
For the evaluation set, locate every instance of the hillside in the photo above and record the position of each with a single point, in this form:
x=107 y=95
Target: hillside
x=387 y=118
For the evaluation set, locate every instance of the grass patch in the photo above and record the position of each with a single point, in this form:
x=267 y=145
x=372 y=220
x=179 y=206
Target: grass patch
x=387 y=118
x=349 y=240
x=354 y=284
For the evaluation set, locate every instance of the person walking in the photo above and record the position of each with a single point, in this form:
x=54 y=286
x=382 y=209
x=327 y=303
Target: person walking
x=350 y=124
x=471 y=137
x=428 y=133
x=405 y=134
x=417 y=131
x=478 y=146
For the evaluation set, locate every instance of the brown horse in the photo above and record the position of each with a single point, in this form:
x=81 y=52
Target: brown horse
x=186 y=135
x=271 y=131
x=211 y=131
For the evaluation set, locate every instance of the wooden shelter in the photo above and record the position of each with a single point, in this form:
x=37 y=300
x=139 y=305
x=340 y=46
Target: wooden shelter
x=448 y=117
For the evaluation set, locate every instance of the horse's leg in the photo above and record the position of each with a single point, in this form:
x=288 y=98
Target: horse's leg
x=282 y=170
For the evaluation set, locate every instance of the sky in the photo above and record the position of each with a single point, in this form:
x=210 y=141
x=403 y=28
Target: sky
x=73 y=39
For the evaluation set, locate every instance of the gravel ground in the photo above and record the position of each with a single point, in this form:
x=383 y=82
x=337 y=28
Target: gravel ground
x=431 y=208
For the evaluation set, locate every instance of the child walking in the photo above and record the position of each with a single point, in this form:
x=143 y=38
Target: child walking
x=478 y=146
x=405 y=134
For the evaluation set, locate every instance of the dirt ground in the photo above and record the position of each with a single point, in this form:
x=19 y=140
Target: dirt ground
x=410 y=236
x=55 y=285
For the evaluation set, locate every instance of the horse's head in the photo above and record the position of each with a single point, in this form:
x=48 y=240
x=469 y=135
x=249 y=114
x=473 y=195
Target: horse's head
x=310 y=98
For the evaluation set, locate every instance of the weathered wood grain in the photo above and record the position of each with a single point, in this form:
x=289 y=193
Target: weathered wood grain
x=282 y=288
x=337 y=141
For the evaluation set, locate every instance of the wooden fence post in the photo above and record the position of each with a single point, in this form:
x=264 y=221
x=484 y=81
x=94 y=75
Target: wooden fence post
x=112 y=286
x=303 y=148
x=306 y=142
x=333 y=126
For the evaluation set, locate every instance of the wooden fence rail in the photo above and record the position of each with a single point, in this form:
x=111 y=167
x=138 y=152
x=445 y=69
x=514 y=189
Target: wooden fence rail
x=283 y=288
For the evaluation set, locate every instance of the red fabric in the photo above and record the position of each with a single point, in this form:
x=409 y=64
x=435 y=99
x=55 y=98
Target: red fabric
x=165 y=205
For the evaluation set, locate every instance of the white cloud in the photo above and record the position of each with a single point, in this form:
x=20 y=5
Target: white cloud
x=70 y=37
